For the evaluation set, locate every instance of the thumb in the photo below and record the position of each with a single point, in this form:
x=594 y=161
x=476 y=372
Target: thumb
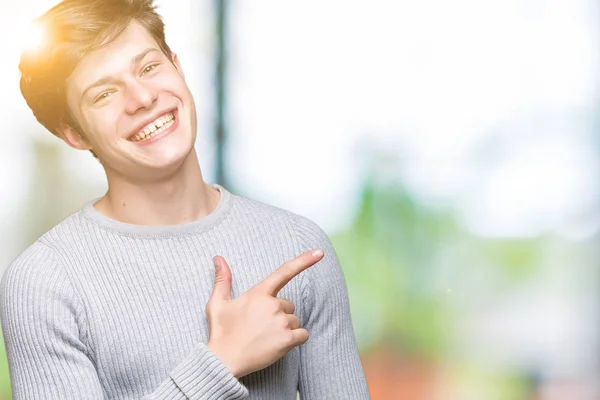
x=222 y=288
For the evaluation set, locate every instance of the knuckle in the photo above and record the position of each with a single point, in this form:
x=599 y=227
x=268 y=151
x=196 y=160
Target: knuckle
x=296 y=321
x=283 y=321
x=305 y=335
x=287 y=305
x=212 y=309
x=280 y=306
x=289 y=340
x=274 y=306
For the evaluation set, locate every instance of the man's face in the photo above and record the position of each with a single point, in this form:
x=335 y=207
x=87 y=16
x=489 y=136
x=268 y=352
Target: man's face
x=132 y=103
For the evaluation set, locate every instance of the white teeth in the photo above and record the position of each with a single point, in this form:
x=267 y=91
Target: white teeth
x=143 y=136
x=157 y=126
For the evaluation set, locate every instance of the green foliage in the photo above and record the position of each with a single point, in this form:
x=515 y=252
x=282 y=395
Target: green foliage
x=518 y=258
x=5 y=389
x=389 y=259
x=402 y=258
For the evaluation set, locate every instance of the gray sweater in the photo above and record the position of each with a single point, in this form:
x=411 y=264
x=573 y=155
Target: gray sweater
x=100 y=309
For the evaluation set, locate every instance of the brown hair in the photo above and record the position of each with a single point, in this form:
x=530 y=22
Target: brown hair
x=73 y=29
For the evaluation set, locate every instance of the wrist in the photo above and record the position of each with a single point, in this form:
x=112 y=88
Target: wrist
x=229 y=364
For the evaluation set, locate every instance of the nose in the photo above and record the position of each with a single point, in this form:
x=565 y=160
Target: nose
x=139 y=95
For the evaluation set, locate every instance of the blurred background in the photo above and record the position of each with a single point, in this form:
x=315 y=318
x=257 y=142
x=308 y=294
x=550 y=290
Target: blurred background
x=449 y=149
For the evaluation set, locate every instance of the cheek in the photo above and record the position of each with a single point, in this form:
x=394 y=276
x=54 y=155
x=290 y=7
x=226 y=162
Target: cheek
x=176 y=85
x=103 y=124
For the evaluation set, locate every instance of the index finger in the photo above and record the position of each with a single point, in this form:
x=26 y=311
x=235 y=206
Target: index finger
x=273 y=283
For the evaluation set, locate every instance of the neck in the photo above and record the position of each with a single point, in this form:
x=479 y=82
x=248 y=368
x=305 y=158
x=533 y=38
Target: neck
x=180 y=198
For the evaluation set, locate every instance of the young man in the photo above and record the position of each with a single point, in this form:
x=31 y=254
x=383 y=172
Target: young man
x=122 y=299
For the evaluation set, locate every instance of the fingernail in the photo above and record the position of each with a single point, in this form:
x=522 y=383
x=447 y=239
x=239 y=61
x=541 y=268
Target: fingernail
x=317 y=253
x=217 y=263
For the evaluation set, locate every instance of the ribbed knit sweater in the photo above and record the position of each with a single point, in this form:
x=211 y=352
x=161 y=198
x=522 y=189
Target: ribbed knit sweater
x=101 y=309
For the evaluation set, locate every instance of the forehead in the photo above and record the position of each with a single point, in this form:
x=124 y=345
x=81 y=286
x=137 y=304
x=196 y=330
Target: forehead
x=113 y=58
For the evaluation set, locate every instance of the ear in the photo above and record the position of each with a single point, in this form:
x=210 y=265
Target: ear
x=73 y=138
x=176 y=63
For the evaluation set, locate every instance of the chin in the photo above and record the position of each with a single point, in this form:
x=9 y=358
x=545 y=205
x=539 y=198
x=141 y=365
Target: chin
x=171 y=157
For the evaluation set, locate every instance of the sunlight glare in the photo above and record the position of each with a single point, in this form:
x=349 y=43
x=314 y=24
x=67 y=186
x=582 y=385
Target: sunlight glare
x=33 y=37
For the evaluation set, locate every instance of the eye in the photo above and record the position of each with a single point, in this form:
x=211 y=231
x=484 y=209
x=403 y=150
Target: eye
x=149 y=68
x=102 y=96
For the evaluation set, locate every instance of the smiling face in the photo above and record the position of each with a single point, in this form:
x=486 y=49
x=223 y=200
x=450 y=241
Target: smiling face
x=133 y=107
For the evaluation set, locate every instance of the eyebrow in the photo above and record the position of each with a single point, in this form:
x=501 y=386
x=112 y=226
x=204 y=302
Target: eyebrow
x=109 y=79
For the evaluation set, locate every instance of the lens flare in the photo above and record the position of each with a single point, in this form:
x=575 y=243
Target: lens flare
x=34 y=37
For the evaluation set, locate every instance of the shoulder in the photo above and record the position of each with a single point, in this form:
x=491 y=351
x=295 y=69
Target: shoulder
x=306 y=231
x=32 y=270
x=38 y=257
x=306 y=235
x=65 y=235
x=35 y=271
x=31 y=285
x=66 y=232
x=301 y=232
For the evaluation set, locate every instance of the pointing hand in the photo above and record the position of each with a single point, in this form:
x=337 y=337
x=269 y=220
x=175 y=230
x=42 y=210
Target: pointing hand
x=255 y=329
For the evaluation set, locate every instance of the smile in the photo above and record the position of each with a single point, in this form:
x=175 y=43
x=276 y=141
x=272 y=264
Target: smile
x=154 y=128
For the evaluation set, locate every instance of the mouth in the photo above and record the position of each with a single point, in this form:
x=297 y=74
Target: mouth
x=156 y=128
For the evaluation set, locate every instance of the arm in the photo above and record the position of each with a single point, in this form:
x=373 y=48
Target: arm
x=46 y=341
x=330 y=366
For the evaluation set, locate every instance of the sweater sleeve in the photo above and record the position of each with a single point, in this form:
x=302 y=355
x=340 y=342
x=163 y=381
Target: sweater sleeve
x=44 y=328
x=330 y=366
